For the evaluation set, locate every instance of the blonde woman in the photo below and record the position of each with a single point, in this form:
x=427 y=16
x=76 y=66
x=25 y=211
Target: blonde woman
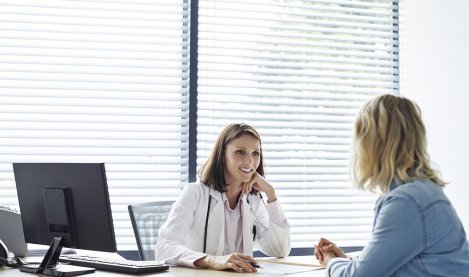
x=217 y=222
x=416 y=231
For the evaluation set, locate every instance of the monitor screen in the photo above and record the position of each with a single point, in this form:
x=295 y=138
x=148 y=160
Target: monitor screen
x=67 y=200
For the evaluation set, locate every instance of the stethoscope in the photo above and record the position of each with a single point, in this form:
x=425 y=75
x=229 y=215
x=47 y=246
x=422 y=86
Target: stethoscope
x=254 y=230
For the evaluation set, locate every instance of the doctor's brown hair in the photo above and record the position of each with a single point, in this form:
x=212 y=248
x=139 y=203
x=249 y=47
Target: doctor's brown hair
x=390 y=144
x=212 y=172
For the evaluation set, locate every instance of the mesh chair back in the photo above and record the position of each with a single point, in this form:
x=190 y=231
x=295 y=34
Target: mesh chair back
x=147 y=219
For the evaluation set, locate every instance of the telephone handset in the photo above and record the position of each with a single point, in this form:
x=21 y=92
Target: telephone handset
x=3 y=253
x=4 y=256
x=5 y=259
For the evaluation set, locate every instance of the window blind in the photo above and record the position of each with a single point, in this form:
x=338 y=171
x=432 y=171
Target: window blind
x=298 y=71
x=97 y=81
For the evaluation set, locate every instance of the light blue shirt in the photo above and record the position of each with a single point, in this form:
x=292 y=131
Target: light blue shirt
x=416 y=232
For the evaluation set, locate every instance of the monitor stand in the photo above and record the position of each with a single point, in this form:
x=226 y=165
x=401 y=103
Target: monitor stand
x=50 y=264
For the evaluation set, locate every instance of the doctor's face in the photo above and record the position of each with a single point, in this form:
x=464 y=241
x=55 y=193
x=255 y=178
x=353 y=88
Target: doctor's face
x=241 y=158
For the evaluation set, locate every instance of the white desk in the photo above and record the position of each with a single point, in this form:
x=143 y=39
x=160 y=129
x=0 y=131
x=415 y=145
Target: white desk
x=186 y=272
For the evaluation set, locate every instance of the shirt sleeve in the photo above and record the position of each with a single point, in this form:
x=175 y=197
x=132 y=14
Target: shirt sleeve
x=276 y=214
x=398 y=236
x=340 y=262
x=172 y=236
x=273 y=230
x=186 y=259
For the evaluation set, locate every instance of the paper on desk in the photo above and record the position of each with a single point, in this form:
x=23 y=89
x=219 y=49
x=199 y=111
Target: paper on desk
x=278 y=269
x=309 y=261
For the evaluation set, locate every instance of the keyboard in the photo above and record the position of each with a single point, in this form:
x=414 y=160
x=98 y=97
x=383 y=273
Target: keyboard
x=113 y=264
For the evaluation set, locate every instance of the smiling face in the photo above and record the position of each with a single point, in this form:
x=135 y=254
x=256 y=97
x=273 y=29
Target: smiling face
x=241 y=158
x=221 y=162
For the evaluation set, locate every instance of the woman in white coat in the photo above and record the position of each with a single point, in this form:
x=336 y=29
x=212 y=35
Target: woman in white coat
x=218 y=222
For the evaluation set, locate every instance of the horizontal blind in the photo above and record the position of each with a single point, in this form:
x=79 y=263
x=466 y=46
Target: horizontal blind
x=298 y=71
x=97 y=81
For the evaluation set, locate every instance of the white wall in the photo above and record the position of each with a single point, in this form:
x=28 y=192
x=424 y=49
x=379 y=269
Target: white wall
x=434 y=55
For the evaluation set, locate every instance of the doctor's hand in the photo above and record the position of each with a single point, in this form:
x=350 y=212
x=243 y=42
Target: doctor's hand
x=260 y=184
x=326 y=250
x=237 y=261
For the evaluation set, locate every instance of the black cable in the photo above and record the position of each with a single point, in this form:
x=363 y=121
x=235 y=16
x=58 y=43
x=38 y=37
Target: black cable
x=9 y=263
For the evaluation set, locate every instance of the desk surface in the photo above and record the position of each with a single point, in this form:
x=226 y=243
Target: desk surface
x=190 y=272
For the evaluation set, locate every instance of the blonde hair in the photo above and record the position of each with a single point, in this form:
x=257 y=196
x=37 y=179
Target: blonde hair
x=390 y=144
x=211 y=173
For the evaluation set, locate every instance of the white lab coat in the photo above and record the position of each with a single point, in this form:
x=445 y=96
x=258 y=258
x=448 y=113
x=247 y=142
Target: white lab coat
x=184 y=229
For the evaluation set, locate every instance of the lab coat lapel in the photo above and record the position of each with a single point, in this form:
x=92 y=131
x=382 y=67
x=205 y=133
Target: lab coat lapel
x=247 y=226
x=216 y=240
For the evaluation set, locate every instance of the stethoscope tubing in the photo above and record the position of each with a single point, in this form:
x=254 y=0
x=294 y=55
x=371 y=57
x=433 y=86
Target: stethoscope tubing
x=208 y=213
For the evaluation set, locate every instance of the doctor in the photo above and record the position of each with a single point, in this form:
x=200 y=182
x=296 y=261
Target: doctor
x=217 y=222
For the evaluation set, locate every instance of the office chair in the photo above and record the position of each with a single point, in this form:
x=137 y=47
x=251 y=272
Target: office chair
x=147 y=219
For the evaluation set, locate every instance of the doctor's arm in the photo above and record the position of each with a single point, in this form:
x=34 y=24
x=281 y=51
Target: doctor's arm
x=172 y=239
x=272 y=227
x=237 y=261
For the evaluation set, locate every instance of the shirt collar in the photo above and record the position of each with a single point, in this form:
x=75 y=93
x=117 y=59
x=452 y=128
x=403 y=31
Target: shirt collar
x=395 y=183
x=227 y=203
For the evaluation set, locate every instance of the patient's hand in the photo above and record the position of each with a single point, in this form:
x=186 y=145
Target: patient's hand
x=325 y=250
x=330 y=252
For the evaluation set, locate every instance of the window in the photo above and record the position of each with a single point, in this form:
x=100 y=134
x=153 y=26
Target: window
x=298 y=71
x=86 y=81
x=108 y=81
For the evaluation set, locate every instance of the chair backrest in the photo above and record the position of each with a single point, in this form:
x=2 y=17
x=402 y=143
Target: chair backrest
x=147 y=219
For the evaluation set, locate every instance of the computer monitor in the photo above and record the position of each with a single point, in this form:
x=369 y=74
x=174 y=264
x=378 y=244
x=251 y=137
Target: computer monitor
x=65 y=200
